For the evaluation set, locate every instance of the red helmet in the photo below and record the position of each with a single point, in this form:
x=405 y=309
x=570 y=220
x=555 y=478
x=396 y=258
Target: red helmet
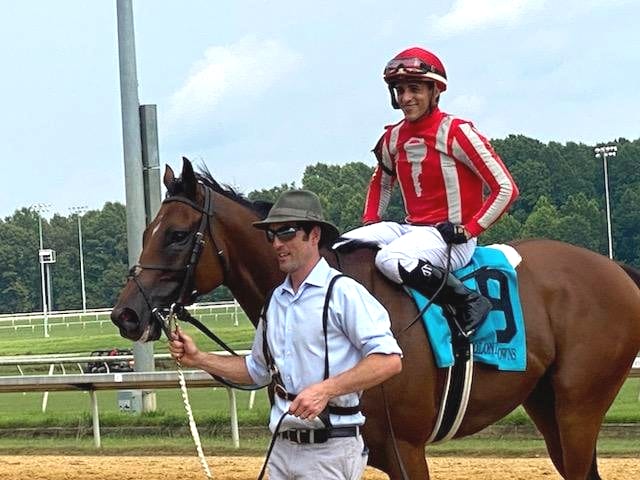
x=416 y=63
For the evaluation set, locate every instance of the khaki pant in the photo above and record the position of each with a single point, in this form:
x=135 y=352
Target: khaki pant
x=336 y=459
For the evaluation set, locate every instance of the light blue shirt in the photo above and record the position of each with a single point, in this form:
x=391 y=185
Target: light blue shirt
x=357 y=326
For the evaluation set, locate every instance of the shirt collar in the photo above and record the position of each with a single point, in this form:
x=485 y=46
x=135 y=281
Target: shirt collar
x=434 y=116
x=317 y=277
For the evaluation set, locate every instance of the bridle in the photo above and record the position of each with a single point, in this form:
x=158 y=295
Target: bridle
x=166 y=314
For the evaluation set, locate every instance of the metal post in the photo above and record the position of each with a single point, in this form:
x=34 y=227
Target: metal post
x=43 y=276
x=604 y=152
x=608 y=202
x=45 y=395
x=84 y=293
x=47 y=269
x=235 y=312
x=131 y=140
x=150 y=160
x=40 y=208
x=79 y=211
x=233 y=410
x=132 y=149
x=95 y=417
x=152 y=200
x=40 y=231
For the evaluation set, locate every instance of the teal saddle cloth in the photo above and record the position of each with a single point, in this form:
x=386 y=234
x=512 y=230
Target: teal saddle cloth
x=500 y=340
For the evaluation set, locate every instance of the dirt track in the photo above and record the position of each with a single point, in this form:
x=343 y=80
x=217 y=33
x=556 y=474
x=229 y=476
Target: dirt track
x=246 y=468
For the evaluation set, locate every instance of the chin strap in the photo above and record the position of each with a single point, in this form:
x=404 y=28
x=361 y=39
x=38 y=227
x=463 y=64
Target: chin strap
x=394 y=99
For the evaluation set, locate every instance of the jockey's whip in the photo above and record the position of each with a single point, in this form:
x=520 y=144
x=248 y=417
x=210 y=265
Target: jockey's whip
x=435 y=295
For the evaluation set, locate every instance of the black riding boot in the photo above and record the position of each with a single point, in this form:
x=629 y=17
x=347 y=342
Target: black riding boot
x=470 y=307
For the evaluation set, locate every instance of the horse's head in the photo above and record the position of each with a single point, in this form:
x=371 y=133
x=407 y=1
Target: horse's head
x=181 y=256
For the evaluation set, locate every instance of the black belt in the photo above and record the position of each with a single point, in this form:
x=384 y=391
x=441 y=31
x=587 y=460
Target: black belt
x=320 y=435
x=333 y=409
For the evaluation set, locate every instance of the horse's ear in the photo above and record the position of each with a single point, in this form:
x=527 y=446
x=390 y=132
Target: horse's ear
x=169 y=178
x=189 y=181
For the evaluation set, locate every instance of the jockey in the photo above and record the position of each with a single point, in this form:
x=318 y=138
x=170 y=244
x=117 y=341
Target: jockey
x=443 y=166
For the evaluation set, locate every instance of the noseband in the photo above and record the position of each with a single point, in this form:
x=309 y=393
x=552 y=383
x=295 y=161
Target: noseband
x=188 y=294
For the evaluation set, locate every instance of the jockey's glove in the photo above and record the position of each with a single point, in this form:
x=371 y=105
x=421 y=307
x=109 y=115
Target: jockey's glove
x=451 y=233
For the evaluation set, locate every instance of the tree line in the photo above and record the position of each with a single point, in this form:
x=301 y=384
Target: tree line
x=561 y=197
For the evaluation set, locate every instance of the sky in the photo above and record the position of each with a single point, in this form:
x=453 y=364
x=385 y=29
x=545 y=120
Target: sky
x=257 y=90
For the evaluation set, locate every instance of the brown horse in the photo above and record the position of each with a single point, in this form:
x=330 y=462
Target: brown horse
x=582 y=314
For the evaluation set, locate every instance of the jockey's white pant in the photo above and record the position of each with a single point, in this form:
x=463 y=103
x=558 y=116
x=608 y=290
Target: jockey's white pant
x=405 y=244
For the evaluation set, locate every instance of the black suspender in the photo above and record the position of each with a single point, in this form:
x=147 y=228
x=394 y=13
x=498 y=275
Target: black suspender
x=275 y=374
x=325 y=321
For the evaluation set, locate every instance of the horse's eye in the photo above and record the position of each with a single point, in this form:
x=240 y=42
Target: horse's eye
x=178 y=236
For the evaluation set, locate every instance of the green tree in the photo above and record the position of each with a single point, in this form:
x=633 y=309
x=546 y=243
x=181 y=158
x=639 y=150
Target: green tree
x=341 y=190
x=543 y=221
x=581 y=222
x=106 y=259
x=65 y=273
x=271 y=194
x=625 y=221
x=504 y=230
x=535 y=176
x=20 y=277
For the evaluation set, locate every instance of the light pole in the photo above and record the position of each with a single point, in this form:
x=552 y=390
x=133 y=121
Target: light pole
x=40 y=208
x=79 y=211
x=604 y=152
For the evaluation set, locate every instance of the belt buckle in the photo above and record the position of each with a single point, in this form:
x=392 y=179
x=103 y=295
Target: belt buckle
x=281 y=391
x=302 y=436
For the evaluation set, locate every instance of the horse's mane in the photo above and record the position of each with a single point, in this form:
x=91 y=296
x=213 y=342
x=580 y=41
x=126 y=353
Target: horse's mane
x=259 y=207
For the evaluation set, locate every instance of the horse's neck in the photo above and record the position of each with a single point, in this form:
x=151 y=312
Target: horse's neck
x=250 y=287
x=253 y=272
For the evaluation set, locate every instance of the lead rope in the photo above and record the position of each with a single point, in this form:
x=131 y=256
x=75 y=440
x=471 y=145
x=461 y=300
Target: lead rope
x=192 y=423
x=169 y=324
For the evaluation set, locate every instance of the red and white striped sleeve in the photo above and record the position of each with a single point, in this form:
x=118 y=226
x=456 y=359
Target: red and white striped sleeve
x=381 y=184
x=470 y=147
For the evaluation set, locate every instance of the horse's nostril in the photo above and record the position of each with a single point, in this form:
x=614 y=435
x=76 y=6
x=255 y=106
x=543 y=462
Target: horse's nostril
x=125 y=317
x=128 y=316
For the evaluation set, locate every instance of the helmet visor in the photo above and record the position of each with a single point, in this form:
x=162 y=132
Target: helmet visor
x=409 y=66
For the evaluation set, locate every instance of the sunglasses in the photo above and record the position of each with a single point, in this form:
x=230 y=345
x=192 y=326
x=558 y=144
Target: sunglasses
x=284 y=234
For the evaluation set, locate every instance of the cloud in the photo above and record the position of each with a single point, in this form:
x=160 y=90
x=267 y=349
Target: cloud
x=467 y=15
x=466 y=106
x=228 y=78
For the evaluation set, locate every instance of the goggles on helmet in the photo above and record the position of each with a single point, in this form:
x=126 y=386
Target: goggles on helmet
x=409 y=66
